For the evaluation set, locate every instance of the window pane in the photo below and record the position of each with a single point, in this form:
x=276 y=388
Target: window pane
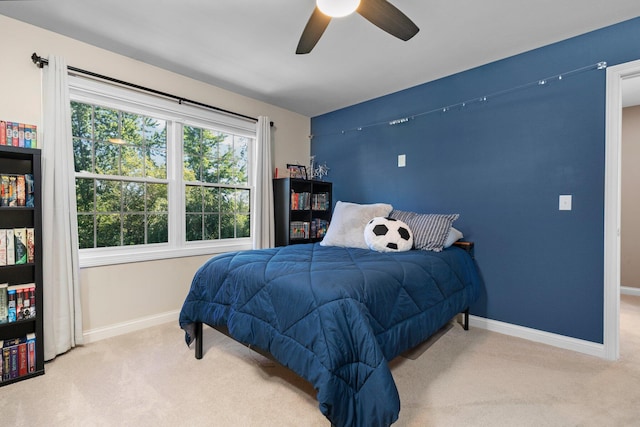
x=227 y=200
x=194 y=227
x=156 y=163
x=131 y=131
x=226 y=161
x=227 y=226
x=107 y=230
x=84 y=195
x=157 y=198
x=108 y=196
x=243 y=226
x=133 y=229
x=107 y=158
x=132 y=161
x=106 y=124
x=157 y=228
x=192 y=161
x=133 y=197
x=243 y=198
x=211 y=199
x=193 y=198
x=155 y=132
x=241 y=145
x=85 y=231
x=81 y=125
x=82 y=155
x=210 y=156
x=211 y=226
x=209 y=170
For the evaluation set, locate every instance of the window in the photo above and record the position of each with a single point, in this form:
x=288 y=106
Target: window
x=155 y=179
x=121 y=177
x=216 y=178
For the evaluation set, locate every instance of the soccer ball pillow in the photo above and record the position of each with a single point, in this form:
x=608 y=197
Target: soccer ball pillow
x=388 y=235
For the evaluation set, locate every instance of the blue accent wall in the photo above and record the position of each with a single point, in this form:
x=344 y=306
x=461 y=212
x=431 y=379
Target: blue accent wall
x=501 y=164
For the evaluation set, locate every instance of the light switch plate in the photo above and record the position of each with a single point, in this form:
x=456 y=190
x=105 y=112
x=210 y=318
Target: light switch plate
x=402 y=160
x=565 y=202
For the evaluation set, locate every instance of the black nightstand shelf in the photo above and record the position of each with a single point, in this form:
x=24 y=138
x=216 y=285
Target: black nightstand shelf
x=302 y=210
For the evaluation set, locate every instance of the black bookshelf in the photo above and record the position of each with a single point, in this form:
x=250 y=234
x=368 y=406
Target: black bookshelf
x=20 y=161
x=302 y=210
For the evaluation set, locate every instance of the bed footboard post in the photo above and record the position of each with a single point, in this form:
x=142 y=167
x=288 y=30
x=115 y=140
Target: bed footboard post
x=465 y=323
x=198 y=333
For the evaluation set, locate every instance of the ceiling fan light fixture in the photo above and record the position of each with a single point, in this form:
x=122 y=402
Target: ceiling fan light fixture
x=337 y=8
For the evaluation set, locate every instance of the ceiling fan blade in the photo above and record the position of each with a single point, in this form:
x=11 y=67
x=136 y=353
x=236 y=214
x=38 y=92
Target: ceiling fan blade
x=312 y=31
x=389 y=18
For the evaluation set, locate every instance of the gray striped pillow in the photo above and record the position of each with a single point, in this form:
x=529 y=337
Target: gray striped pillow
x=430 y=231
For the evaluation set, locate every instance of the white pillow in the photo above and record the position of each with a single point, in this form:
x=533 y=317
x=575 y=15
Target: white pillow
x=454 y=236
x=347 y=224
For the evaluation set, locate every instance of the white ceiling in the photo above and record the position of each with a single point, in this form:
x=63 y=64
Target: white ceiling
x=248 y=46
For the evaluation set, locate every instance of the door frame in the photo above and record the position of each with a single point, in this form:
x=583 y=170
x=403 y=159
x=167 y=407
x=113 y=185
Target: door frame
x=612 y=212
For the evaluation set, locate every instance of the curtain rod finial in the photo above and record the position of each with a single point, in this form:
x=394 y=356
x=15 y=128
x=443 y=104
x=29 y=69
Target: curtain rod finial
x=37 y=60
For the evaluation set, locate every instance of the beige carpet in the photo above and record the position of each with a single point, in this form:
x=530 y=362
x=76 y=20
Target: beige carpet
x=474 y=378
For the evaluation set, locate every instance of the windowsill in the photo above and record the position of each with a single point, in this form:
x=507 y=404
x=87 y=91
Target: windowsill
x=111 y=256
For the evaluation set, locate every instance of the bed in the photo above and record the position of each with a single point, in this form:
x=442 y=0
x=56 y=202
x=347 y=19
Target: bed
x=334 y=315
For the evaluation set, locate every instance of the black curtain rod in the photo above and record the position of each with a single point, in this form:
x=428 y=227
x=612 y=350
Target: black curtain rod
x=41 y=62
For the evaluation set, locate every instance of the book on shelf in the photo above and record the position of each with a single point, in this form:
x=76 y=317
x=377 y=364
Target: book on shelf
x=319 y=228
x=29 y=136
x=31 y=248
x=22 y=359
x=9 y=133
x=320 y=202
x=31 y=353
x=21 y=199
x=299 y=230
x=20 y=302
x=20 y=236
x=300 y=201
x=17 y=302
x=18 y=357
x=13 y=361
x=18 y=134
x=13 y=191
x=17 y=246
x=11 y=247
x=15 y=135
x=3 y=247
x=315 y=229
x=4 y=303
x=16 y=190
x=28 y=194
x=11 y=306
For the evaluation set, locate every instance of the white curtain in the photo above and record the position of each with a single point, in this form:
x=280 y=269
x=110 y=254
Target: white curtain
x=61 y=287
x=263 y=232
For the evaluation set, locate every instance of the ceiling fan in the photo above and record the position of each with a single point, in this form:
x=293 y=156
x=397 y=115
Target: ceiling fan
x=379 y=12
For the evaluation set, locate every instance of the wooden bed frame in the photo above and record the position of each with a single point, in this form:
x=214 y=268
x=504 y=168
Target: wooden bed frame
x=467 y=246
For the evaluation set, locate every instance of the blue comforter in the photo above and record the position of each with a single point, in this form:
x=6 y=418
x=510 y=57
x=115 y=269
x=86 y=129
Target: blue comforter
x=334 y=315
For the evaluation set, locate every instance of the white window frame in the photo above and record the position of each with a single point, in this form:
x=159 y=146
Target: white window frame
x=177 y=115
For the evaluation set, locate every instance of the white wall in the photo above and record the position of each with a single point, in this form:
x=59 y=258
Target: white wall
x=630 y=205
x=125 y=297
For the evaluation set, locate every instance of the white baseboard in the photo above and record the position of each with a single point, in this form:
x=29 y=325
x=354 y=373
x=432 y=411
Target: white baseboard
x=555 y=340
x=627 y=290
x=98 y=334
